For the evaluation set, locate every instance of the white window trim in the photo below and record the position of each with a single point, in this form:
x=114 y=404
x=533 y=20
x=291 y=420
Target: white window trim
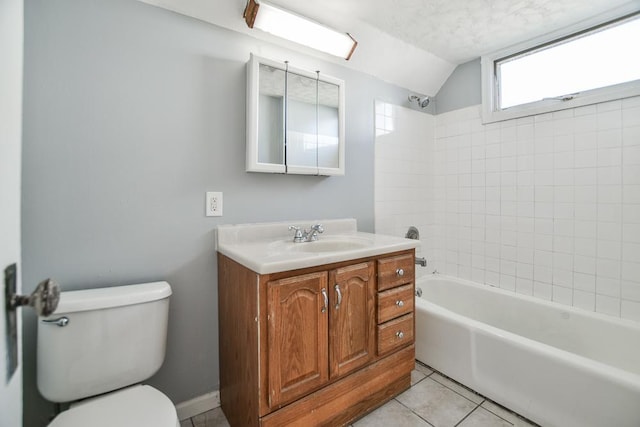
x=490 y=111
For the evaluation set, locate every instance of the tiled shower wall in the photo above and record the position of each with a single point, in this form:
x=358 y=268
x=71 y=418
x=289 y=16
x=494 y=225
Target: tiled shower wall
x=547 y=205
x=404 y=174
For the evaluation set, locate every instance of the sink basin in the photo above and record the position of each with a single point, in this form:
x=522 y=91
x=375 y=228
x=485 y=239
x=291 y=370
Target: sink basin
x=268 y=247
x=331 y=244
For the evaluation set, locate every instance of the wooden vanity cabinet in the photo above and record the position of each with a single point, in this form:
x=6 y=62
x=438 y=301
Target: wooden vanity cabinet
x=304 y=347
x=297 y=336
x=352 y=320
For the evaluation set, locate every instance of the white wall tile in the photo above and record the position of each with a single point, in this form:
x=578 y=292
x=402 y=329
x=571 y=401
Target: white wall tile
x=546 y=205
x=542 y=290
x=608 y=305
x=630 y=310
x=585 y=176
x=562 y=295
x=631 y=233
x=492 y=278
x=542 y=274
x=631 y=213
x=584 y=282
x=585 y=246
x=631 y=252
x=507 y=282
x=631 y=136
x=584 y=264
x=610 y=230
x=609 y=120
x=562 y=277
x=608 y=286
x=630 y=290
x=631 y=117
x=584 y=300
x=524 y=286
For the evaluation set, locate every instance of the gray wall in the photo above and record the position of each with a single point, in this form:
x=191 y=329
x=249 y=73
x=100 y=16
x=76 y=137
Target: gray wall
x=462 y=89
x=131 y=113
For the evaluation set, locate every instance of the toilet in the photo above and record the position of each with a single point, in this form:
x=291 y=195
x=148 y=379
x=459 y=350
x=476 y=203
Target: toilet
x=96 y=349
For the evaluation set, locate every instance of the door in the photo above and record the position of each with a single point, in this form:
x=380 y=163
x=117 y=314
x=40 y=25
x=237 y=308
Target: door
x=11 y=48
x=352 y=322
x=297 y=338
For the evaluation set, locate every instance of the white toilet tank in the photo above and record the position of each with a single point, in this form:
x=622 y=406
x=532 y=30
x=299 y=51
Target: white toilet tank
x=114 y=337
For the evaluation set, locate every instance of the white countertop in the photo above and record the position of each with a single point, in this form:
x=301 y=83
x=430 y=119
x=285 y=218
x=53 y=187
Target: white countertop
x=268 y=247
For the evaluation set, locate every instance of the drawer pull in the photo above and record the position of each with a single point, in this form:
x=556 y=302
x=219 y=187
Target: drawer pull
x=400 y=303
x=400 y=335
x=337 y=289
x=400 y=272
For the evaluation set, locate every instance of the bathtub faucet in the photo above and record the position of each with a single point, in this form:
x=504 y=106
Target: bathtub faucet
x=422 y=261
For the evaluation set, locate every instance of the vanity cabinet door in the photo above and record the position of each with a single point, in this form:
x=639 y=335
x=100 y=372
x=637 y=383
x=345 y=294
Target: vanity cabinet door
x=297 y=334
x=352 y=324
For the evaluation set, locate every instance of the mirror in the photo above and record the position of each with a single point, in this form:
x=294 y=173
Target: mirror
x=271 y=104
x=295 y=120
x=301 y=142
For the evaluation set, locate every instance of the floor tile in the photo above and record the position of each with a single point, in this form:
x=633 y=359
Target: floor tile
x=433 y=399
x=483 y=418
x=460 y=389
x=416 y=377
x=212 y=418
x=506 y=414
x=436 y=403
x=392 y=413
x=423 y=368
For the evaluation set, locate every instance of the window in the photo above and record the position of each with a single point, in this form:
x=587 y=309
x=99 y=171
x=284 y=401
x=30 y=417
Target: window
x=384 y=118
x=594 y=65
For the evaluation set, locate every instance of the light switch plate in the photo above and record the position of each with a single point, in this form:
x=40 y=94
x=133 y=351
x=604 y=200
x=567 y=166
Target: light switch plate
x=213 y=206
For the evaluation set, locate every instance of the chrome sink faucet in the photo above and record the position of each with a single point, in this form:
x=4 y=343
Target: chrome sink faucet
x=310 y=235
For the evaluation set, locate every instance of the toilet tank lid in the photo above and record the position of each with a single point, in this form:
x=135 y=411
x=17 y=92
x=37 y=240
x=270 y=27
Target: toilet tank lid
x=116 y=296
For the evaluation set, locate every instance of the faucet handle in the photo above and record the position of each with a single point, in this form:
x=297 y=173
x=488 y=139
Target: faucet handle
x=297 y=237
x=318 y=227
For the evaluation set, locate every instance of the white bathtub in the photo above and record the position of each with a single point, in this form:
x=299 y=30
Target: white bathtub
x=556 y=365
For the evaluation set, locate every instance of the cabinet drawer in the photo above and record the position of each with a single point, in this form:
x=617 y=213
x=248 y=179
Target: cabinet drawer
x=395 y=334
x=395 y=271
x=395 y=302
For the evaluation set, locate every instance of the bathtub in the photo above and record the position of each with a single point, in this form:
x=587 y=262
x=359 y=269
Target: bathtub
x=556 y=365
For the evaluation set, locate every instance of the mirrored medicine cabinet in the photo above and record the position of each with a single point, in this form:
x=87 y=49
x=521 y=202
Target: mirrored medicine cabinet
x=295 y=120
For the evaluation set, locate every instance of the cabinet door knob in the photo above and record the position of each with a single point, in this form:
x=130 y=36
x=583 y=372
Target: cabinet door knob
x=400 y=272
x=400 y=335
x=337 y=288
x=400 y=303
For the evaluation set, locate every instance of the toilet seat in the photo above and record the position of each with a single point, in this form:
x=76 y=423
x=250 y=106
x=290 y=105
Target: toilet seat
x=135 y=406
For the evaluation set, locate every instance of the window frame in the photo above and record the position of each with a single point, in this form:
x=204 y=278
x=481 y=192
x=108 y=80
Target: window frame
x=490 y=90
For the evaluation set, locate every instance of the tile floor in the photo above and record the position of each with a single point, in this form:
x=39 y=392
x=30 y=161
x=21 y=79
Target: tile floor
x=433 y=400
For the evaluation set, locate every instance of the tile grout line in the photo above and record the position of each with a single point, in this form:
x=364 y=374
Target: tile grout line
x=467 y=416
x=412 y=411
x=461 y=385
x=484 y=399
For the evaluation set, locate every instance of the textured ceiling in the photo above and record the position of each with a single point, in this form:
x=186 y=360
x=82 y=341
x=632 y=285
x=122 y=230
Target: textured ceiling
x=414 y=44
x=458 y=30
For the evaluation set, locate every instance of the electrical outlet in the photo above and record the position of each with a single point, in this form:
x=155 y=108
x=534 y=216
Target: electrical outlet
x=213 y=206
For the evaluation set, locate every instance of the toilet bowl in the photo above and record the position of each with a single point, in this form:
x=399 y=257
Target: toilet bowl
x=97 y=348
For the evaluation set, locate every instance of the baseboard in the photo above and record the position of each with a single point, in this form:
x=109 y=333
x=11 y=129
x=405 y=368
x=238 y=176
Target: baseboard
x=198 y=405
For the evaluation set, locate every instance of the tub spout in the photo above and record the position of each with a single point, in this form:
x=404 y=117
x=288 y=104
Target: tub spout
x=422 y=261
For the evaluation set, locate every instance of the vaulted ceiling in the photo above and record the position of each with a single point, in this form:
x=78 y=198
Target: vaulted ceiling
x=417 y=43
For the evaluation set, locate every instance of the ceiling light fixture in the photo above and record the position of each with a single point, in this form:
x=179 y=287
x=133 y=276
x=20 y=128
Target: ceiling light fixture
x=298 y=29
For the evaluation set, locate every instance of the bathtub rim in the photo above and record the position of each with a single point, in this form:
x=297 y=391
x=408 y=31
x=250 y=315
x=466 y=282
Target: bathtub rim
x=630 y=379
